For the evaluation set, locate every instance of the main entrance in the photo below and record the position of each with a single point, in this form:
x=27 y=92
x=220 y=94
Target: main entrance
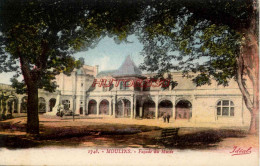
x=165 y=107
x=92 y=107
x=104 y=107
x=183 y=110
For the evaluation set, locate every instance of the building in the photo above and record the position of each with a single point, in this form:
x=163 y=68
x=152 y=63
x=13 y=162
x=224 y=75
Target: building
x=123 y=97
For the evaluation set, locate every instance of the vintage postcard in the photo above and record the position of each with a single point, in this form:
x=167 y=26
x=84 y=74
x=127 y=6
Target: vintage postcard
x=129 y=82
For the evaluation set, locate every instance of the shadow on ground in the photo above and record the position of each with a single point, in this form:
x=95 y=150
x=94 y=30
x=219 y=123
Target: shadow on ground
x=202 y=139
x=113 y=136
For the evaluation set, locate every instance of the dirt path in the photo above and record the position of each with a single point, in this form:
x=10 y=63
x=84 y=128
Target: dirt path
x=123 y=133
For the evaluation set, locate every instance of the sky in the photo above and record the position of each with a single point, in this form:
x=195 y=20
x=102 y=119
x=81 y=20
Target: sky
x=107 y=54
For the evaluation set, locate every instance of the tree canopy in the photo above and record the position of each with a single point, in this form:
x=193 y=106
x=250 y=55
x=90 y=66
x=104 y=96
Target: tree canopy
x=41 y=35
x=215 y=39
x=199 y=31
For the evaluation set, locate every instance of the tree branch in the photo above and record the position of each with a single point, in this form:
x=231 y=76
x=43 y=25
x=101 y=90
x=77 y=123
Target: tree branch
x=241 y=86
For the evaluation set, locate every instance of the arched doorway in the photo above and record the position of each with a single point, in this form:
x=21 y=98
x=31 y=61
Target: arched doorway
x=92 y=107
x=24 y=104
x=52 y=103
x=12 y=105
x=104 y=107
x=123 y=108
x=165 y=106
x=41 y=105
x=81 y=110
x=149 y=109
x=183 y=110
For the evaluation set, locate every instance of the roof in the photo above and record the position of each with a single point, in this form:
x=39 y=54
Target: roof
x=182 y=82
x=128 y=68
x=105 y=73
x=5 y=87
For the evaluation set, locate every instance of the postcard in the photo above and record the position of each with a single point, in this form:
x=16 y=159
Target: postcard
x=129 y=82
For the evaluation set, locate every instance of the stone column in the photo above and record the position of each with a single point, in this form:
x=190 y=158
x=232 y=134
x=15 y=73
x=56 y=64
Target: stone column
x=98 y=107
x=132 y=104
x=123 y=107
x=74 y=104
x=13 y=107
x=6 y=107
x=114 y=106
x=47 y=103
x=18 y=106
x=156 y=106
x=86 y=107
x=77 y=105
x=110 y=107
x=173 y=107
x=193 y=109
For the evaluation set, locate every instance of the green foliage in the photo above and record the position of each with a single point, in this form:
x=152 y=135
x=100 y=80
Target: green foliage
x=47 y=33
x=203 y=37
x=20 y=86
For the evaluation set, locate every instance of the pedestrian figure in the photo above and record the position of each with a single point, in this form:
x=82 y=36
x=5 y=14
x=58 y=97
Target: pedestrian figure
x=168 y=117
x=164 y=117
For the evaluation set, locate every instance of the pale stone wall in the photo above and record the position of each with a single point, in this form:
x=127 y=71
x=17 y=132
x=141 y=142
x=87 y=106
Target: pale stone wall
x=77 y=88
x=204 y=100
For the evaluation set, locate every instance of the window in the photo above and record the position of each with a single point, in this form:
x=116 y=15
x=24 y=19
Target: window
x=124 y=85
x=121 y=85
x=225 y=108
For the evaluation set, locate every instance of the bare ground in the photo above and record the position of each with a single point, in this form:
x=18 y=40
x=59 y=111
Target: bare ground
x=119 y=133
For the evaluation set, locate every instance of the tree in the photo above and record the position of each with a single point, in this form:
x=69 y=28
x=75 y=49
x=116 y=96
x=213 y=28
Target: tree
x=30 y=34
x=222 y=33
x=39 y=38
x=42 y=35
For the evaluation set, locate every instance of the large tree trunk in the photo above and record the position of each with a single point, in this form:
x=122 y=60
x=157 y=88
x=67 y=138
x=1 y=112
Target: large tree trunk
x=248 y=64
x=30 y=78
x=32 y=110
x=254 y=124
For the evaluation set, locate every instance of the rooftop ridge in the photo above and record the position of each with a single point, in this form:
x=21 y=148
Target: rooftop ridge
x=128 y=68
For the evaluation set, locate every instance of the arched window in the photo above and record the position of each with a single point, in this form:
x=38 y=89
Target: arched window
x=225 y=108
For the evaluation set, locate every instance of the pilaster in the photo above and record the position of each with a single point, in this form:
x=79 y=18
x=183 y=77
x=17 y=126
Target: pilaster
x=132 y=104
x=156 y=106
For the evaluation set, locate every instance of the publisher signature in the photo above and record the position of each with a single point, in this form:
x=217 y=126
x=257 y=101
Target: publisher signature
x=240 y=151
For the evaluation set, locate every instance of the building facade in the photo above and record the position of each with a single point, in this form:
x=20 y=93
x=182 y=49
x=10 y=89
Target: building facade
x=127 y=93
